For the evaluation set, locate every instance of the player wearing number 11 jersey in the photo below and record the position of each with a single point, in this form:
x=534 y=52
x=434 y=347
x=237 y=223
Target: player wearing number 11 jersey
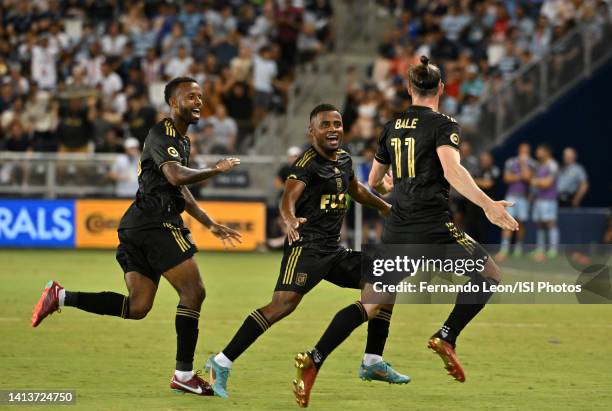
x=420 y=147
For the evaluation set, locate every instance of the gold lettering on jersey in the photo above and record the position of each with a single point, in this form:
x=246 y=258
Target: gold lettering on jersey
x=170 y=129
x=406 y=123
x=139 y=169
x=333 y=201
x=454 y=138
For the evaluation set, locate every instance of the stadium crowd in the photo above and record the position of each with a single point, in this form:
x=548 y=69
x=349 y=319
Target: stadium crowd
x=477 y=44
x=83 y=76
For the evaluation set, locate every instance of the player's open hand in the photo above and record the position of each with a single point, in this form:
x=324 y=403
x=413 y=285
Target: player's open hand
x=497 y=214
x=226 y=164
x=293 y=224
x=226 y=234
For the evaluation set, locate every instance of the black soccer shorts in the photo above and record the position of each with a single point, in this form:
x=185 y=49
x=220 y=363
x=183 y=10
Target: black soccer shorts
x=437 y=239
x=153 y=251
x=302 y=268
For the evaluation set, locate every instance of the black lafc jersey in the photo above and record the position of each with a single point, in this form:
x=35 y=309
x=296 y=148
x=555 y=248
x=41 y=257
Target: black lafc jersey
x=408 y=144
x=324 y=200
x=158 y=201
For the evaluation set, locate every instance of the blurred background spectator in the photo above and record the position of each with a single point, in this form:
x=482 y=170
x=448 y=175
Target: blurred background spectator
x=125 y=169
x=573 y=183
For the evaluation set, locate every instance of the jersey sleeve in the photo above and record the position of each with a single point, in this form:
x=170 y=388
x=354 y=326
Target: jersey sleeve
x=448 y=134
x=299 y=173
x=164 y=149
x=382 y=153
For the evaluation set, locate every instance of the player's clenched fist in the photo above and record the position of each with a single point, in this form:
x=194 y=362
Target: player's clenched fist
x=226 y=164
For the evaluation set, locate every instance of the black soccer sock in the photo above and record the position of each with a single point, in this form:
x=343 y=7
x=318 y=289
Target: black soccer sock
x=252 y=327
x=341 y=326
x=467 y=306
x=104 y=303
x=186 y=323
x=378 y=331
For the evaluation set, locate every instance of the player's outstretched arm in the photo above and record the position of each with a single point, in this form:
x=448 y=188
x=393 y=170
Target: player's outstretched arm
x=361 y=194
x=293 y=191
x=378 y=179
x=223 y=233
x=180 y=175
x=462 y=181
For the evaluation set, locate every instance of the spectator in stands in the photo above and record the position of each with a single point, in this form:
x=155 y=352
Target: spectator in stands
x=174 y=41
x=191 y=19
x=20 y=84
x=180 y=64
x=92 y=64
x=265 y=71
x=43 y=68
x=115 y=40
x=225 y=131
x=111 y=141
x=110 y=82
x=308 y=44
x=7 y=95
x=42 y=114
x=75 y=125
x=239 y=103
x=205 y=138
x=242 y=64
x=544 y=183
x=139 y=117
x=151 y=67
x=288 y=26
x=518 y=172
x=16 y=140
x=125 y=169
x=16 y=112
x=16 y=137
x=573 y=183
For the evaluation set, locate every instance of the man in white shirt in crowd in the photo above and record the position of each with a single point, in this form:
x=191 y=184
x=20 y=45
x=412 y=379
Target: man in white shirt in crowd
x=125 y=169
x=264 y=73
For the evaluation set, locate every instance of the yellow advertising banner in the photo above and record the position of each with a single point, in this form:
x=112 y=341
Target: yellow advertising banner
x=97 y=220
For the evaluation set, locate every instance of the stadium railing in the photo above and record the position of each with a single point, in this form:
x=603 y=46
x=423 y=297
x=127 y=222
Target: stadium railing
x=530 y=90
x=53 y=175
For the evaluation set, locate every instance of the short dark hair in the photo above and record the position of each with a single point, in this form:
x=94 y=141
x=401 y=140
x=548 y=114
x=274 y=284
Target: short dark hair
x=546 y=147
x=173 y=84
x=321 y=108
x=424 y=77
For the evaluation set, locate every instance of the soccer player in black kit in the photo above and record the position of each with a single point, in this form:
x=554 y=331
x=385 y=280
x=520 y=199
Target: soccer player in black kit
x=313 y=207
x=153 y=240
x=421 y=147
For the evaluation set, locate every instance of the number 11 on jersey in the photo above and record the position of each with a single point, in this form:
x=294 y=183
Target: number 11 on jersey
x=409 y=142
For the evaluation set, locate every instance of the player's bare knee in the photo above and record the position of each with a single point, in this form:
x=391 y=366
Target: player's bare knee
x=193 y=297
x=139 y=309
x=372 y=310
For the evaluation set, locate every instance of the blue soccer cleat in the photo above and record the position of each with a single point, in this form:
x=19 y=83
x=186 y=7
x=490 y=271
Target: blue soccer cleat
x=218 y=377
x=382 y=371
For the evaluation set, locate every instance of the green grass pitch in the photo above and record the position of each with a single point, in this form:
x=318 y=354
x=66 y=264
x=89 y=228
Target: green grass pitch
x=516 y=357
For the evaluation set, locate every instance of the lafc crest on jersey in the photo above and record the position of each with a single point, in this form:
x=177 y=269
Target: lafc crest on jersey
x=338 y=176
